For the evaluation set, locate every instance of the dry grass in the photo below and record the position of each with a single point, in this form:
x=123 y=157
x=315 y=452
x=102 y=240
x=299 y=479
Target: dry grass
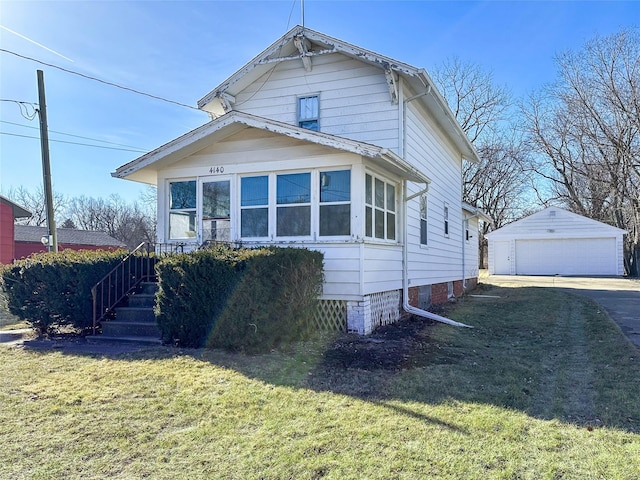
x=545 y=387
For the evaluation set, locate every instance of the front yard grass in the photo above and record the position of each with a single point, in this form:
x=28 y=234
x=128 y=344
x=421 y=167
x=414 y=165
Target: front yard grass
x=544 y=387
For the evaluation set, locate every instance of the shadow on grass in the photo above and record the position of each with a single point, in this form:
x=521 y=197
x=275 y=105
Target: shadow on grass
x=547 y=353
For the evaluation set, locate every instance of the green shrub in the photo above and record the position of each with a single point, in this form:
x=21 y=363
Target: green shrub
x=53 y=290
x=238 y=298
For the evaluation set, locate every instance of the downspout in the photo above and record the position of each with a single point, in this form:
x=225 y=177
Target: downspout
x=405 y=269
x=405 y=216
x=464 y=242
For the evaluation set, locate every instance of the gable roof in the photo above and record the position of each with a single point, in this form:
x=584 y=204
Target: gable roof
x=558 y=223
x=143 y=168
x=302 y=44
x=67 y=236
x=18 y=211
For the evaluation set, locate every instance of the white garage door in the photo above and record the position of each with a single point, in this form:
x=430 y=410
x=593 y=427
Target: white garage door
x=584 y=256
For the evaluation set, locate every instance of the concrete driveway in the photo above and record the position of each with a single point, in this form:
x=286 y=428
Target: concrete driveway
x=620 y=297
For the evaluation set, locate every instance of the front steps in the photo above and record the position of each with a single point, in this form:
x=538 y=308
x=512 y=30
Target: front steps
x=135 y=322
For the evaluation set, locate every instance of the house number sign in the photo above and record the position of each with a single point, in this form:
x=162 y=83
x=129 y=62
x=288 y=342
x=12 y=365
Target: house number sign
x=216 y=170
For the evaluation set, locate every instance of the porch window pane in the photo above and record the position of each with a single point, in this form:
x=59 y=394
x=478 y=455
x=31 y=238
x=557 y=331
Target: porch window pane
x=368 y=222
x=379 y=193
x=391 y=226
x=182 y=195
x=335 y=186
x=379 y=224
x=293 y=188
x=391 y=198
x=293 y=221
x=254 y=191
x=215 y=200
x=368 y=196
x=335 y=220
x=254 y=222
x=182 y=225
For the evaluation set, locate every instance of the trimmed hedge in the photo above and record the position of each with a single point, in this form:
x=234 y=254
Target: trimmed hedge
x=238 y=298
x=53 y=290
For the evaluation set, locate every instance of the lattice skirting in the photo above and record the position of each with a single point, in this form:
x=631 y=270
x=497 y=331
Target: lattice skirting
x=385 y=308
x=331 y=315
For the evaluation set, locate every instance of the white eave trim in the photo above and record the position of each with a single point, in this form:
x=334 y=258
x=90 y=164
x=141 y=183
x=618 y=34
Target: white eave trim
x=182 y=143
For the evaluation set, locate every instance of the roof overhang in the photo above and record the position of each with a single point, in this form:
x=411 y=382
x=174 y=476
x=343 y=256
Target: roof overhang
x=475 y=212
x=302 y=44
x=144 y=169
x=18 y=211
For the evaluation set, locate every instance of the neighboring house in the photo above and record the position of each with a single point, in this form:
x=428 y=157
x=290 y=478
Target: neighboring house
x=556 y=242
x=28 y=240
x=9 y=211
x=322 y=144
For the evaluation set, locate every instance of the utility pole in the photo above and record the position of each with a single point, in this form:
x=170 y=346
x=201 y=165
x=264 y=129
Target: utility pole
x=52 y=241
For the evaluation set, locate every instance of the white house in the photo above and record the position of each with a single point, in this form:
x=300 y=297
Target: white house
x=556 y=242
x=322 y=144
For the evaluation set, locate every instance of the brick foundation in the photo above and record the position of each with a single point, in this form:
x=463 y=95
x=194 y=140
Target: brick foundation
x=458 y=288
x=439 y=293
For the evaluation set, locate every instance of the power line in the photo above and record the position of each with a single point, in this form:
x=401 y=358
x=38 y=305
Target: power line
x=24 y=110
x=72 y=135
x=75 y=143
x=99 y=80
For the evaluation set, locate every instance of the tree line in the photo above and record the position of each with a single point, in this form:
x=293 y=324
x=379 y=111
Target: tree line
x=574 y=143
x=129 y=222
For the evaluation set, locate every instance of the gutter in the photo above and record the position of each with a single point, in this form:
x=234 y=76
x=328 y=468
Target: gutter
x=405 y=270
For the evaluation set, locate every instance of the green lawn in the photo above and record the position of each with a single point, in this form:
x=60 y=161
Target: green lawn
x=545 y=387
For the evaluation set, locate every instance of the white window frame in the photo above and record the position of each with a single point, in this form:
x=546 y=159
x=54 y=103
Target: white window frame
x=385 y=211
x=314 y=203
x=313 y=118
x=424 y=217
x=170 y=210
x=446 y=224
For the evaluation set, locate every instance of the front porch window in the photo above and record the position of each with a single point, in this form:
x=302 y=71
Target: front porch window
x=293 y=197
x=380 y=208
x=335 y=203
x=182 y=210
x=254 y=206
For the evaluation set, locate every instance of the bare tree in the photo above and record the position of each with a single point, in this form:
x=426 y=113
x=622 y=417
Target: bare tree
x=128 y=223
x=499 y=183
x=34 y=201
x=585 y=129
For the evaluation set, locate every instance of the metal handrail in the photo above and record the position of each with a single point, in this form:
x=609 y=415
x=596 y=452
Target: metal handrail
x=135 y=268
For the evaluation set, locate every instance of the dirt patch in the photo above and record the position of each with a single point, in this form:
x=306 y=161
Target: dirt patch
x=405 y=344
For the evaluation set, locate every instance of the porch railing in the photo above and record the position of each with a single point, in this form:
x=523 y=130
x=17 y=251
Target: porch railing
x=134 y=269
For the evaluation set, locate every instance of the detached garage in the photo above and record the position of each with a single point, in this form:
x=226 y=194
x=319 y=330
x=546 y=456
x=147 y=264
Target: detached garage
x=556 y=242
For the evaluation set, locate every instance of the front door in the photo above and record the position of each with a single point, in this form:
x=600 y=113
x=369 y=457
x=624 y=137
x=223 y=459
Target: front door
x=215 y=221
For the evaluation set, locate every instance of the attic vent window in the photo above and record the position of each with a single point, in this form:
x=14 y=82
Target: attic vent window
x=308 y=112
x=552 y=213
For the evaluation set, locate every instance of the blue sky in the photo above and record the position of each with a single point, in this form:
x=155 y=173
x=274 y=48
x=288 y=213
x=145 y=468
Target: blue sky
x=181 y=50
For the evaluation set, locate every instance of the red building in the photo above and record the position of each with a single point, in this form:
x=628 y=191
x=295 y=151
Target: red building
x=9 y=211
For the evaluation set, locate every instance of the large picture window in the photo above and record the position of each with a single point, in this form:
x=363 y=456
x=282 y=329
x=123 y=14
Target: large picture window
x=182 y=209
x=380 y=208
x=335 y=203
x=293 y=199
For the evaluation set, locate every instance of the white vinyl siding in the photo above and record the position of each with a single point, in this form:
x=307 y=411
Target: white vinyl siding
x=355 y=101
x=430 y=151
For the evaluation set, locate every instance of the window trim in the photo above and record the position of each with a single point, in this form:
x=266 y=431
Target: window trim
x=170 y=210
x=299 y=117
x=424 y=201
x=384 y=210
x=446 y=225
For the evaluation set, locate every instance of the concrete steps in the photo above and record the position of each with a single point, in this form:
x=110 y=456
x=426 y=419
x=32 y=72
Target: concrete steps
x=134 y=321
